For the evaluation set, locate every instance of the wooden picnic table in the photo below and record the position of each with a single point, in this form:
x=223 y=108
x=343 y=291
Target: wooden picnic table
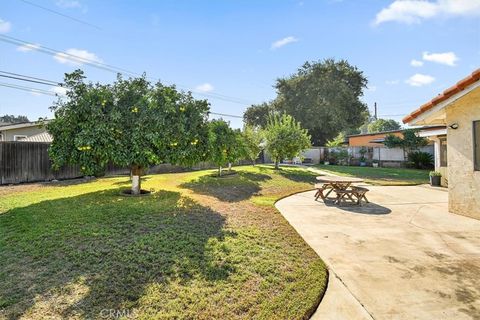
x=334 y=183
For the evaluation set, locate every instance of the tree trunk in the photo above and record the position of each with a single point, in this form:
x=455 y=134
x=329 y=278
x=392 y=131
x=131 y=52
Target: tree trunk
x=136 y=182
x=229 y=167
x=220 y=171
x=277 y=164
x=253 y=162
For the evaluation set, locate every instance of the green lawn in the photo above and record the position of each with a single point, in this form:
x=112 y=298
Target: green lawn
x=380 y=176
x=199 y=247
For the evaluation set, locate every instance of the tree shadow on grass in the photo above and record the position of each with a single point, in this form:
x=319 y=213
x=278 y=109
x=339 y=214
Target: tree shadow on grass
x=297 y=175
x=111 y=246
x=258 y=177
x=233 y=188
x=126 y=181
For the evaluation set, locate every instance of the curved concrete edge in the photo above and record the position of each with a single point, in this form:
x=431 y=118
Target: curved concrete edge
x=337 y=302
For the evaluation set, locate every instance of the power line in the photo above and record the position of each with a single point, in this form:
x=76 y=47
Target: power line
x=393 y=115
x=30 y=77
x=34 y=90
x=114 y=69
x=61 y=14
x=28 y=80
x=29 y=89
x=226 y=115
x=64 y=55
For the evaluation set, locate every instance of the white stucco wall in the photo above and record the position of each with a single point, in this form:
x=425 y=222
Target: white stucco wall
x=313 y=153
x=463 y=181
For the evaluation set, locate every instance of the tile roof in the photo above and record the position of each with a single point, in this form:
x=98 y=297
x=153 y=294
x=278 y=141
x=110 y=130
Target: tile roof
x=458 y=87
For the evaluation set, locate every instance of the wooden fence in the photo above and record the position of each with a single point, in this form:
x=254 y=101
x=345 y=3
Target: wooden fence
x=29 y=162
x=22 y=162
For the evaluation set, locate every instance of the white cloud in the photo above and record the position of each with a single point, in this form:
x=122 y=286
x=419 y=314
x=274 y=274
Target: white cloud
x=28 y=47
x=372 y=88
x=76 y=57
x=59 y=90
x=283 y=42
x=416 y=63
x=418 y=80
x=5 y=26
x=204 y=87
x=414 y=11
x=392 y=82
x=447 y=58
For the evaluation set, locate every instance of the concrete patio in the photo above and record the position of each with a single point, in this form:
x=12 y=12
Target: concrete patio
x=403 y=256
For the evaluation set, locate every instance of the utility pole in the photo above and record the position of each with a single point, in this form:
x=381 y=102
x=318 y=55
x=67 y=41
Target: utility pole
x=375 y=107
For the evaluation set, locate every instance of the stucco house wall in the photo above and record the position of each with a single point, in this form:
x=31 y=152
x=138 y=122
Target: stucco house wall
x=463 y=180
x=364 y=140
x=312 y=153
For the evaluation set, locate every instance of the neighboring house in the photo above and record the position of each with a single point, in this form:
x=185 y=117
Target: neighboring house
x=377 y=139
x=370 y=139
x=459 y=109
x=374 y=143
x=44 y=137
x=22 y=131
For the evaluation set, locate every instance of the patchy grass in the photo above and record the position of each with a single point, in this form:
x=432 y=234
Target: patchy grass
x=199 y=247
x=380 y=176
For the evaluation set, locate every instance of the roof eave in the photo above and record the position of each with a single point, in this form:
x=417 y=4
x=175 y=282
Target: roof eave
x=433 y=111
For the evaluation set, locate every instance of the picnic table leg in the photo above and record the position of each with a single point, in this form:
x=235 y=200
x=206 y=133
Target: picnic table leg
x=342 y=198
x=319 y=194
x=337 y=200
x=328 y=193
x=365 y=197
x=334 y=186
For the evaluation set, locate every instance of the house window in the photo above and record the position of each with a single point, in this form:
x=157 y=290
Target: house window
x=1 y=136
x=443 y=151
x=476 y=145
x=19 y=137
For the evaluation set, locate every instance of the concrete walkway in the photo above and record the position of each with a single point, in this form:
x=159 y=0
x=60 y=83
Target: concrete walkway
x=401 y=257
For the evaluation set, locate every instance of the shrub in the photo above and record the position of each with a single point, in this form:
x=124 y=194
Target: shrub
x=362 y=152
x=435 y=174
x=332 y=157
x=421 y=160
x=342 y=156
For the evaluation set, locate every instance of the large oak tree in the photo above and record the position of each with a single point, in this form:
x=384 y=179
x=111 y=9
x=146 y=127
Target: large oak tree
x=257 y=114
x=382 y=125
x=325 y=97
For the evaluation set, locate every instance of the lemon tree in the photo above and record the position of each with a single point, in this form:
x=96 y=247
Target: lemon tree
x=130 y=123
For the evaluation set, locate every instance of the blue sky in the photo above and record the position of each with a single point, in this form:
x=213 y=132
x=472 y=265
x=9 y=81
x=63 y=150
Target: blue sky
x=237 y=49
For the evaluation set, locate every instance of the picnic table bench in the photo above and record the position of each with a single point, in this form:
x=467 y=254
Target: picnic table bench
x=340 y=185
x=354 y=194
